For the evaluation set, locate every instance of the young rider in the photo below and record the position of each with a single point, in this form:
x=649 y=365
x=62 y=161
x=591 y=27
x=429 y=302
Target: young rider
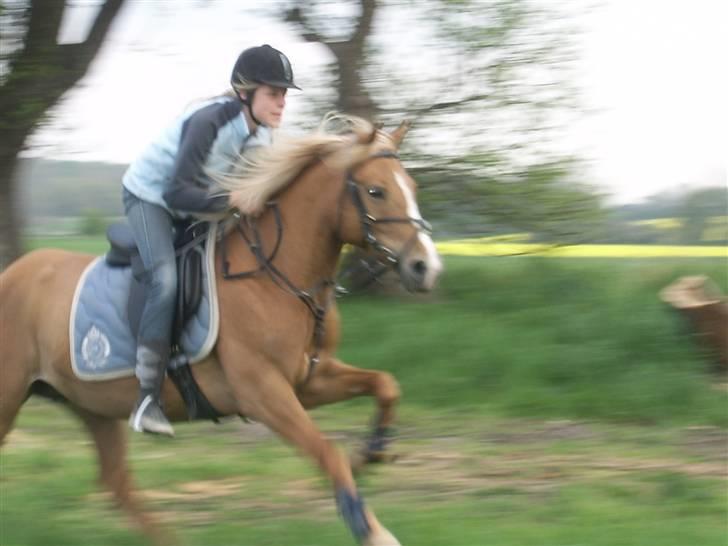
x=169 y=181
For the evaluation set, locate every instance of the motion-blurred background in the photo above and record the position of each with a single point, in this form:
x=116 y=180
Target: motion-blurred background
x=550 y=397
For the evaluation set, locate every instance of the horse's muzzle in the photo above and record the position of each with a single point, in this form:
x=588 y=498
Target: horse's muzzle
x=419 y=274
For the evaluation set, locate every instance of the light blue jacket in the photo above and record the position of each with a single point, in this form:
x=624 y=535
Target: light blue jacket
x=173 y=170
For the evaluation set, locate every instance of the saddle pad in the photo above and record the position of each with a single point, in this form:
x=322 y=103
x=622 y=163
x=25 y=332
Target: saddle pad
x=102 y=344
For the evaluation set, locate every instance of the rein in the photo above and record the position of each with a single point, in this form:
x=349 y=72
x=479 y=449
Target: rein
x=309 y=297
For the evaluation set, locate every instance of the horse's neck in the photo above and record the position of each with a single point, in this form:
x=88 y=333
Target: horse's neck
x=309 y=247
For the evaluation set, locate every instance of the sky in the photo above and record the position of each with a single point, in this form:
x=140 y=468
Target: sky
x=652 y=76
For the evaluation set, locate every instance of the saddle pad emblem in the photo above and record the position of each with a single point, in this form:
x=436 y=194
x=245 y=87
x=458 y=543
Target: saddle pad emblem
x=95 y=348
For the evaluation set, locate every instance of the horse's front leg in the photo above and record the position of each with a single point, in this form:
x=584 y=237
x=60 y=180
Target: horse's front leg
x=335 y=381
x=265 y=395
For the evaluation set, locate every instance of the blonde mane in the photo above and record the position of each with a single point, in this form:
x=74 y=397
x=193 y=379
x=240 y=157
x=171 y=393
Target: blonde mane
x=340 y=141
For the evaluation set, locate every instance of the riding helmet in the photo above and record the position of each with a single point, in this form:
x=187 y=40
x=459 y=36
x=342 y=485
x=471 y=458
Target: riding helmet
x=263 y=64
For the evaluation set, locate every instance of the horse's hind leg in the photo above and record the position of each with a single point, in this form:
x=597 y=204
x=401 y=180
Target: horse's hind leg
x=335 y=381
x=12 y=395
x=14 y=384
x=110 y=439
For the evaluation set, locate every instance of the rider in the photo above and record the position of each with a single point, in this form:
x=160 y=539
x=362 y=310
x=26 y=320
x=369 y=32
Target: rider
x=169 y=181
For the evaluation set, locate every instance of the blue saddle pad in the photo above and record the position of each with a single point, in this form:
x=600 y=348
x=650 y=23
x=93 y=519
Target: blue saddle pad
x=102 y=344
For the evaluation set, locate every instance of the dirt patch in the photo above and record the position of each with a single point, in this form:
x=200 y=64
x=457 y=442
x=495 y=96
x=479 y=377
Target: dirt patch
x=549 y=431
x=197 y=490
x=707 y=442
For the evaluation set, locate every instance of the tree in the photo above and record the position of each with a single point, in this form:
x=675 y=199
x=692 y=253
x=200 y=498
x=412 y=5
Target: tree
x=36 y=72
x=349 y=54
x=488 y=84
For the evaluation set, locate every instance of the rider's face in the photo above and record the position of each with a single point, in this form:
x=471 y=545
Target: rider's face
x=268 y=105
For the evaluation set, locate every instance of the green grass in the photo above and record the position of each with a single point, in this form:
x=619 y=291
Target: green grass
x=77 y=243
x=468 y=482
x=546 y=401
x=543 y=337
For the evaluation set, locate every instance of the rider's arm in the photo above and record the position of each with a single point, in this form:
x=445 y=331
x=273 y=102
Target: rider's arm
x=186 y=192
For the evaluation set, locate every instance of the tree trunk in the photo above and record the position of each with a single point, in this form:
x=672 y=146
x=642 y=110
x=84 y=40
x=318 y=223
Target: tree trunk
x=40 y=73
x=353 y=97
x=10 y=247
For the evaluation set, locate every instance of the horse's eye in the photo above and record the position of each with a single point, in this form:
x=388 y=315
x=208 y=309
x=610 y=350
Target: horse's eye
x=376 y=192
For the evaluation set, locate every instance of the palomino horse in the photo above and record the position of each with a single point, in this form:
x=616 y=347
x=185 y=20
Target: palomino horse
x=330 y=190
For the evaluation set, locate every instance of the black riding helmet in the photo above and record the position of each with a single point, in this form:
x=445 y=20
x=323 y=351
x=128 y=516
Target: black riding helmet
x=263 y=65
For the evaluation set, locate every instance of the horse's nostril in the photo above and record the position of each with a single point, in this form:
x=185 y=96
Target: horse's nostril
x=419 y=267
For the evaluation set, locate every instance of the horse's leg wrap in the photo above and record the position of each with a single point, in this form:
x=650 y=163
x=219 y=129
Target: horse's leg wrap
x=379 y=441
x=351 y=508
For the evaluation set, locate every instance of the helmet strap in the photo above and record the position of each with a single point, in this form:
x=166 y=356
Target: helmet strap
x=248 y=101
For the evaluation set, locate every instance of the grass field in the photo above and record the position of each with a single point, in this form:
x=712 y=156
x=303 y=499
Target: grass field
x=546 y=401
x=486 y=246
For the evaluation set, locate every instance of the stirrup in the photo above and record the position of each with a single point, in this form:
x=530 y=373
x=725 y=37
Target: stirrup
x=149 y=417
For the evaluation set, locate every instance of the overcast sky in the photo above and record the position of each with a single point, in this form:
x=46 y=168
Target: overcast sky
x=653 y=76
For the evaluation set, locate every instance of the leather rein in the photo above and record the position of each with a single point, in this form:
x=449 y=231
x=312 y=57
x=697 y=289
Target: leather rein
x=310 y=297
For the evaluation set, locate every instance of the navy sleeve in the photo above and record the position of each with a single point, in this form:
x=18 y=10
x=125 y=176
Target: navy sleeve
x=188 y=192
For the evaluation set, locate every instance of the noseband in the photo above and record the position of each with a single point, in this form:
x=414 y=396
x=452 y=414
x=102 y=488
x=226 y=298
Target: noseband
x=368 y=221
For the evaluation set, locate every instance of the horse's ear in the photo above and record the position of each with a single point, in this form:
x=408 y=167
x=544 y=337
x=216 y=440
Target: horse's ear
x=398 y=134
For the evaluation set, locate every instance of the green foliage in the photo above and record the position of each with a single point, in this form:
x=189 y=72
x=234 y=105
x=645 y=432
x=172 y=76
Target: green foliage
x=89 y=245
x=545 y=337
x=698 y=207
x=92 y=223
x=503 y=79
x=697 y=217
x=68 y=188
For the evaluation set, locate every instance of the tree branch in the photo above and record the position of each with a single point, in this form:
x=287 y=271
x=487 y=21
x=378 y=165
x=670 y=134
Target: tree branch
x=448 y=104
x=295 y=15
x=364 y=24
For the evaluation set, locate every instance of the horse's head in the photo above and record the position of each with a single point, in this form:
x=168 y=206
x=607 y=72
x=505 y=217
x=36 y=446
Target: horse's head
x=384 y=214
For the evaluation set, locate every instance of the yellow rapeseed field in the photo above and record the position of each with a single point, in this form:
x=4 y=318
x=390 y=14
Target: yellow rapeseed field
x=476 y=247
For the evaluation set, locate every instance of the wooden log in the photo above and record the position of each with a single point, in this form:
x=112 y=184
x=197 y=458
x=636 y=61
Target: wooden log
x=699 y=300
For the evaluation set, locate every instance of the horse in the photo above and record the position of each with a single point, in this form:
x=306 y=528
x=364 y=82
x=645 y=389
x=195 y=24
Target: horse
x=275 y=354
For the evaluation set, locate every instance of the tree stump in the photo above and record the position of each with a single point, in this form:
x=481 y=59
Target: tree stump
x=699 y=300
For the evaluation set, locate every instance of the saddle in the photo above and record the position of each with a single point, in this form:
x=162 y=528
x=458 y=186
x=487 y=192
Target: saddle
x=189 y=250
x=190 y=253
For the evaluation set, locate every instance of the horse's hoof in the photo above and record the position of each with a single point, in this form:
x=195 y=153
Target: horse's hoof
x=360 y=459
x=380 y=457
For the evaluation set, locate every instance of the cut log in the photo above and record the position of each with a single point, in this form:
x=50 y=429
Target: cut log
x=699 y=300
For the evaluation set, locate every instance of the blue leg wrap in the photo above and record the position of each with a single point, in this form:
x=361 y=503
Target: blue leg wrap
x=378 y=442
x=351 y=508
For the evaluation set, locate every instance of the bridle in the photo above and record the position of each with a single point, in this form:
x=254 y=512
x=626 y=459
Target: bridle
x=368 y=221
x=310 y=297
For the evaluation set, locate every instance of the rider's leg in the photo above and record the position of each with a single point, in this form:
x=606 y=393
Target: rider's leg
x=154 y=234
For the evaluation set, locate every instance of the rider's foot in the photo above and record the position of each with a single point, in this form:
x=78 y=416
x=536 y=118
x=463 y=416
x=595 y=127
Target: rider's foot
x=149 y=417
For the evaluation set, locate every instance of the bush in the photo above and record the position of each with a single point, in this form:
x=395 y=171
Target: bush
x=93 y=222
